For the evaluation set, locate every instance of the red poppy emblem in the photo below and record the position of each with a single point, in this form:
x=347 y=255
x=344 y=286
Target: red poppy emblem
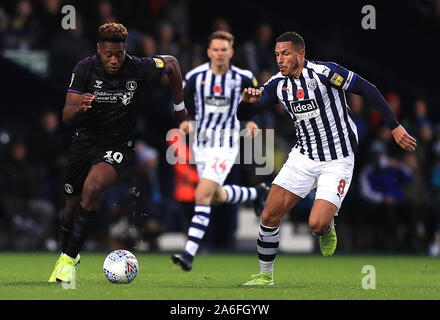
x=217 y=89
x=300 y=94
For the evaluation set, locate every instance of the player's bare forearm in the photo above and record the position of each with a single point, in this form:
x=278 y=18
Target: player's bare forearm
x=174 y=74
x=249 y=106
x=403 y=139
x=76 y=105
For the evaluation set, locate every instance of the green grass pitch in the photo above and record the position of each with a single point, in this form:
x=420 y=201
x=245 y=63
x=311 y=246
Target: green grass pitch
x=23 y=276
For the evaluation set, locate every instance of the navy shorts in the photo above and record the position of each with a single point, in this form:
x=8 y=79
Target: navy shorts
x=84 y=154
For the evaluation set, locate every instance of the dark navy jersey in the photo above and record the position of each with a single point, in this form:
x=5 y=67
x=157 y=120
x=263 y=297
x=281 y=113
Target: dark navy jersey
x=112 y=118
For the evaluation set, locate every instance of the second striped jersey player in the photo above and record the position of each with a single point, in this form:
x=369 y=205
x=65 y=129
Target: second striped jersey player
x=215 y=98
x=212 y=93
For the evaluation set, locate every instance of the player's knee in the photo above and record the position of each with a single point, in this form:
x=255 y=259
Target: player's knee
x=270 y=218
x=203 y=196
x=318 y=226
x=91 y=191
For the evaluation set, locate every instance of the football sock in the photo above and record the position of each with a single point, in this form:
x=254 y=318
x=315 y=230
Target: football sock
x=84 y=222
x=197 y=229
x=267 y=247
x=238 y=194
x=66 y=225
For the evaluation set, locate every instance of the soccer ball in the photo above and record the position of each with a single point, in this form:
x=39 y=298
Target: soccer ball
x=121 y=266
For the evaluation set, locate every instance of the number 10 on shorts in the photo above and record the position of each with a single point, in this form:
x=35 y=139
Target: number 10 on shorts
x=116 y=156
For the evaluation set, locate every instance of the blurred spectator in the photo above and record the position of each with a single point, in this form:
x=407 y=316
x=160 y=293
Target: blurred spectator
x=393 y=100
x=149 y=46
x=166 y=43
x=23 y=31
x=435 y=185
x=47 y=147
x=381 y=183
x=50 y=21
x=356 y=104
x=105 y=12
x=28 y=216
x=67 y=48
x=176 y=12
x=259 y=51
x=417 y=215
x=186 y=180
x=221 y=24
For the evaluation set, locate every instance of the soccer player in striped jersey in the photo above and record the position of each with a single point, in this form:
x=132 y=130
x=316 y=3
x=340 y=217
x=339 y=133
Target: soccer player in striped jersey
x=214 y=90
x=313 y=95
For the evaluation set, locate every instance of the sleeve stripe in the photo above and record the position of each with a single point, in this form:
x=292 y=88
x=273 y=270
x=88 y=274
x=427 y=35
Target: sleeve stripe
x=74 y=91
x=348 y=81
x=352 y=81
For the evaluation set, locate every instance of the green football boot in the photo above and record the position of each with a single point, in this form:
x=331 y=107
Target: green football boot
x=66 y=272
x=260 y=279
x=58 y=265
x=327 y=242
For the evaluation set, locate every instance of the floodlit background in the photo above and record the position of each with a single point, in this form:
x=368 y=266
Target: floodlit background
x=392 y=205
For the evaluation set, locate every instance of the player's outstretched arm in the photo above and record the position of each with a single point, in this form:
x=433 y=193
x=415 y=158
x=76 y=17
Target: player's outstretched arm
x=76 y=105
x=249 y=106
x=403 y=139
x=371 y=93
x=172 y=69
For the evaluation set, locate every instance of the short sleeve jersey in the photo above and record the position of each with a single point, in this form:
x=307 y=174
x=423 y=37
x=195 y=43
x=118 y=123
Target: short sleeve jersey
x=113 y=115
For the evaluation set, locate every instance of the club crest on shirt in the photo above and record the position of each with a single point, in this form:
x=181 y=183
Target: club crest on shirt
x=312 y=84
x=131 y=85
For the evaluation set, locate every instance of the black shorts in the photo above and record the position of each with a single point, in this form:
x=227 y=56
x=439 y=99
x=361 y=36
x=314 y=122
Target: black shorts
x=84 y=154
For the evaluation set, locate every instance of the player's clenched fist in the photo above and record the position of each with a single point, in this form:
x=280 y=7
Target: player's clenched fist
x=251 y=95
x=85 y=102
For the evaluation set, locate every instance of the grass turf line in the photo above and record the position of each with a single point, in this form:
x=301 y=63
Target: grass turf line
x=24 y=276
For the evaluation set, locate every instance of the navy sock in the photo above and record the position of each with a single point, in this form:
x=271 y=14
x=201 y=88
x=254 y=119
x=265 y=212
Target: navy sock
x=66 y=225
x=84 y=223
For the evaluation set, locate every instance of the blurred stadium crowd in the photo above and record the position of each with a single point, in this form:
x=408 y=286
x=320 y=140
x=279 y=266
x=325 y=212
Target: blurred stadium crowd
x=393 y=201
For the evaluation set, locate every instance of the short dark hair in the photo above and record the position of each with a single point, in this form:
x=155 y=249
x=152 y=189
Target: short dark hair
x=223 y=35
x=295 y=38
x=112 y=32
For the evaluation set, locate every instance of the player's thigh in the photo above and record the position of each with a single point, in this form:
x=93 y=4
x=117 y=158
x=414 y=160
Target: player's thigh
x=334 y=181
x=101 y=176
x=297 y=174
x=205 y=191
x=279 y=202
x=106 y=167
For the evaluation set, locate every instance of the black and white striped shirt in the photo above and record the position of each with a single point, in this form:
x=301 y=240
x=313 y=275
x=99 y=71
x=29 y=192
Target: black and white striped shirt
x=215 y=99
x=317 y=104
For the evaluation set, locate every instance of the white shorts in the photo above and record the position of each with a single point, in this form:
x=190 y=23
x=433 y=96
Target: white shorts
x=331 y=179
x=215 y=163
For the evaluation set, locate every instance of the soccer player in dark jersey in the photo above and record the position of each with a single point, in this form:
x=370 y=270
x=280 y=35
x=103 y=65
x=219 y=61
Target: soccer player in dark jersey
x=101 y=103
x=313 y=95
